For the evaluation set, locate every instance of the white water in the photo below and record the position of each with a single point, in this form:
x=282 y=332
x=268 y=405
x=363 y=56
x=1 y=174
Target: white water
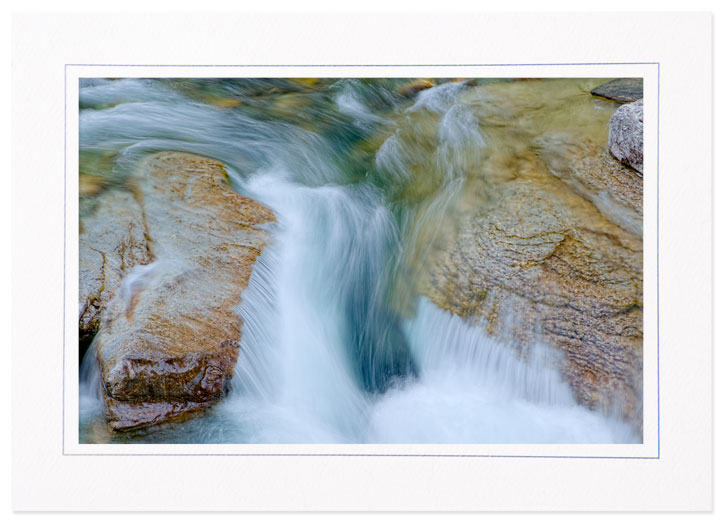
x=324 y=356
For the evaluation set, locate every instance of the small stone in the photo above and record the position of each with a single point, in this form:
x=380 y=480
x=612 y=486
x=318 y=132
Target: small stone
x=621 y=90
x=224 y=103
x=416 y=86
x=91 y=185
x=307 y=82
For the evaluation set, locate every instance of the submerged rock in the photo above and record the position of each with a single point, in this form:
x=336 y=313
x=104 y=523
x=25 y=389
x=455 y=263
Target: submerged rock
x=90 y=185
x=592 y=173
x=169 y=338
x=621 y=89
x=626 y=139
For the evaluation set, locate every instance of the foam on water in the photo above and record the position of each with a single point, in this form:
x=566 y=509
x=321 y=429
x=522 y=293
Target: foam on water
x=473 y=388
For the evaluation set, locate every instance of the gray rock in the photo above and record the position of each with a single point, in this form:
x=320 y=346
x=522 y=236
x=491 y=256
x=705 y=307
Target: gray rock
x=621 y=89
x=626 y=139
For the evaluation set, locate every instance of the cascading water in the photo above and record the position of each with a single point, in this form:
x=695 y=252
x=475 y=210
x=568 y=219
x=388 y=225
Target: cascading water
x=338 y=346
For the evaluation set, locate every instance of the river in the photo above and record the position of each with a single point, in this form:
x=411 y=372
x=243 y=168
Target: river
x=340 y=345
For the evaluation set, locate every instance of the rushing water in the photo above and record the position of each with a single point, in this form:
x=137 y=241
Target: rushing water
x=338 y=345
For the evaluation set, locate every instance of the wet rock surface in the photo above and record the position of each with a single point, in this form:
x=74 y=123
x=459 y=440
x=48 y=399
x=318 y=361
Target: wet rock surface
x=168 y=338
x=621 y=89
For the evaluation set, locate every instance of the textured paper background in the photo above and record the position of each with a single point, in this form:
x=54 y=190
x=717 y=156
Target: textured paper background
x=680 y=479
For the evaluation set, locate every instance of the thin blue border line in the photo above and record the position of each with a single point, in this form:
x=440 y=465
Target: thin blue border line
x=65 y=227
x=658 y=261
x=372 y=65
x=65 y=153
x=383 y=455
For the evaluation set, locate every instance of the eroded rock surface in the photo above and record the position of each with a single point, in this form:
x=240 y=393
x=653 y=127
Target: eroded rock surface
x=169 y=338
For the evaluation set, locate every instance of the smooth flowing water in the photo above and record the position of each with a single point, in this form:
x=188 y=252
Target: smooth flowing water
x=338 y=344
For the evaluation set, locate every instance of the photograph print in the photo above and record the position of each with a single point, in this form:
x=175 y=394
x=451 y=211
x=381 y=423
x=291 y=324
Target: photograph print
x=360 y=260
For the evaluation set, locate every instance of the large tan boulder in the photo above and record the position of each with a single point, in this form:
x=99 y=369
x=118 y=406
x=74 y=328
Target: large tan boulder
x=169 y=338
x=542 y=262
